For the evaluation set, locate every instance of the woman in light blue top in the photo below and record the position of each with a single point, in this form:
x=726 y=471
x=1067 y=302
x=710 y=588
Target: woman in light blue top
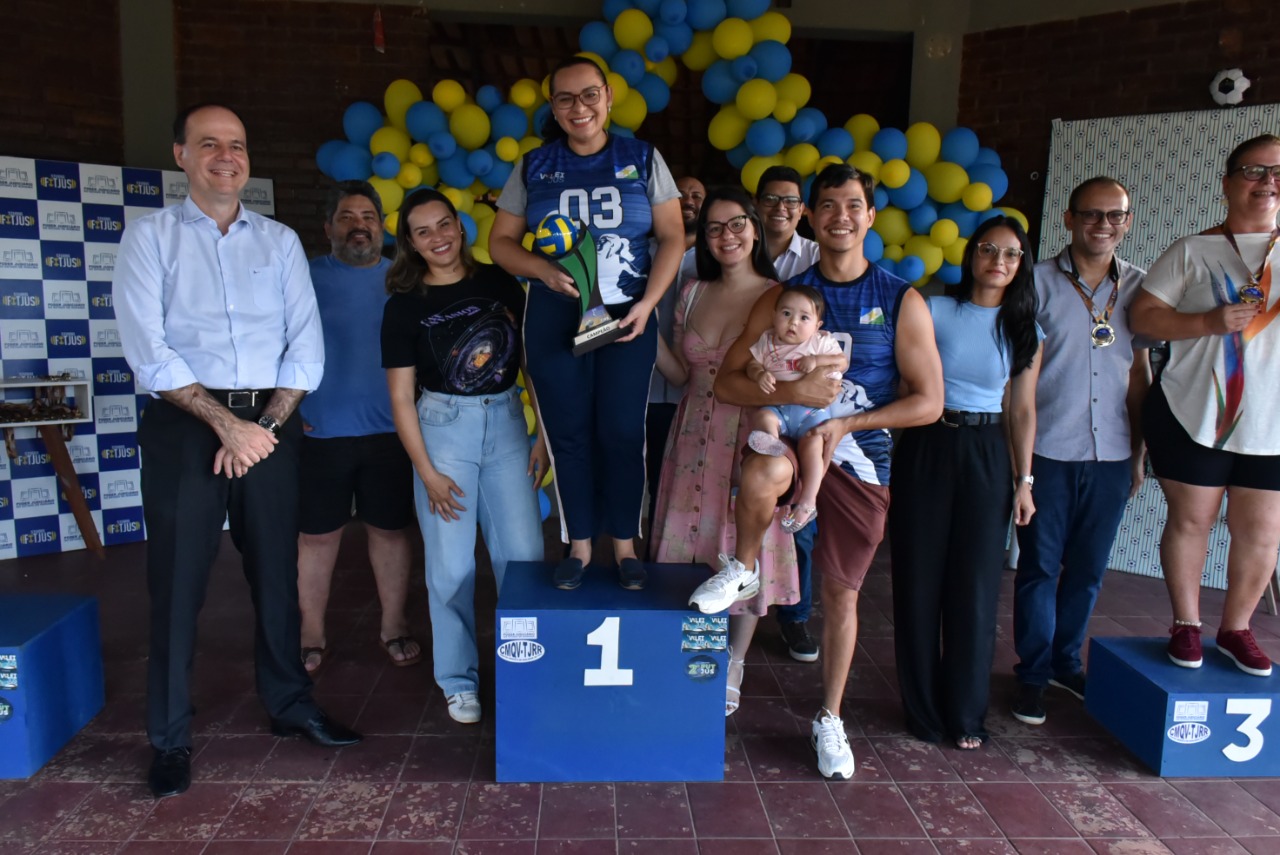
x=953 y=487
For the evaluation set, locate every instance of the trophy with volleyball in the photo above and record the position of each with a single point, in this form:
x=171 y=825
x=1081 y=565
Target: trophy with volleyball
x=573 y=247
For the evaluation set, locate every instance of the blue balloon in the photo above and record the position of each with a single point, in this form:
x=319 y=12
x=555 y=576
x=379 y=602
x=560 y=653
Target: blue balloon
x=498 y=175
x=873 y=246
x=744 y=68
x=704 y=14
x=739 y=155
x=747 y=10
x=879 y=198
x=806 y=187
x=766 y=137
x=469 y=227
x=773 y=60
x=672 y=12
x=801 y=129
x=989 y=214
x=656 y=49
x=453 y=170
x=442 y=144
x=508 y=121
x=887 y=265
x=614 y=8
x=965 y=219
x=948 y=273
x=655 y=91
x=597 y=37
x=352 y=163
x=816 y=117
x=423 y=119
x=327 y=154
x=359 y=122
x=993 y=177
x=911 y=267
x=386 y=165
x=544 y=504
x=912 y=193
x=986 y=157
x=649 y=7
x=540 y=117
x=889 y=144
x=922 y=217
x=960 y=146
x=621 y=131
x=679 y=36
x=718 y=83
x=479 y=163
x=629 y=64
x=835 y=142
x=488 y=98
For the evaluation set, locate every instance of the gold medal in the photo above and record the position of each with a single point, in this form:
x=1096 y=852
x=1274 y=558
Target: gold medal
x=1251 y=294
x=1104 y=335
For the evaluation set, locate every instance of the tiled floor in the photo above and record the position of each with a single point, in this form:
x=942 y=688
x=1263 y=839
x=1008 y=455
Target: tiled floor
x=421 y=784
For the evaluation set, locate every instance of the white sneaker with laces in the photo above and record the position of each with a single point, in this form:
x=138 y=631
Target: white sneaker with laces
x=734 y=582
x=464 y=707
x=835 y=758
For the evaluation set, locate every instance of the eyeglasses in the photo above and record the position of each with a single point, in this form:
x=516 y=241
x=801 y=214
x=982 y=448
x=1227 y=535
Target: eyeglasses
x=1115 y=218
x=736 y=224
x=770 y=200
x=1257 y=171
x=990 y=250
x=588 y=97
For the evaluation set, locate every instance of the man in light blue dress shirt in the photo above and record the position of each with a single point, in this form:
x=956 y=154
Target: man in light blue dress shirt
x=218 y=320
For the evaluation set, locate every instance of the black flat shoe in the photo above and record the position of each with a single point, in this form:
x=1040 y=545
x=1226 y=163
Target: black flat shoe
x=170 y=772
x=320 y=730
x=569 y=574
x=631 y=574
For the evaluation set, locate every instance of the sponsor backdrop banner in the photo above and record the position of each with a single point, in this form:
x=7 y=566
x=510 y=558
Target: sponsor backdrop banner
x=60 y=228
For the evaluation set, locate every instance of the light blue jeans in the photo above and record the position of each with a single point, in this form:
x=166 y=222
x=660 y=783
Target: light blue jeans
x=481 y=442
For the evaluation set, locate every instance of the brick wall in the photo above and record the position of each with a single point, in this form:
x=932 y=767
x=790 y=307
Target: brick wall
x=60 y=94
x=1160 y=59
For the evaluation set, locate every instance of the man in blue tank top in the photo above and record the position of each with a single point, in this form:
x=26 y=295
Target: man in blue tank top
x=894 y=380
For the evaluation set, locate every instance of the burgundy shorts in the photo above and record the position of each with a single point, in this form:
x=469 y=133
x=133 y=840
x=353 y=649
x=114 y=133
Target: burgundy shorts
x=851 y=517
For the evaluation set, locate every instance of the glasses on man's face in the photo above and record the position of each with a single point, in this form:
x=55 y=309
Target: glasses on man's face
x=588 y=97
x=713 y=228
x=1257 y=171
x=770 y=200
x=990 y=250
x=1115 y=218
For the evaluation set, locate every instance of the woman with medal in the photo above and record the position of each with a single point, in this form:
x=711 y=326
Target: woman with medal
x=1211 y=421
x=964 y=474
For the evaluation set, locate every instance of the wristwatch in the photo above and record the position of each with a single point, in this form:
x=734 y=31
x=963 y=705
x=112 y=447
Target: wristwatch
x=1029 y=480
x=270 y=424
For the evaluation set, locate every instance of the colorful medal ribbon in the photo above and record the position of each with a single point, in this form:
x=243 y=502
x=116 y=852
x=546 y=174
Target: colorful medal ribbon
x=1252 y=293
x=1102 y=333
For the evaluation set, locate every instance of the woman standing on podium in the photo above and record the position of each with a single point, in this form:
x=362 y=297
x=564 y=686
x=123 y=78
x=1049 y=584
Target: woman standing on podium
x=593 y=406
x=1211 y=421
x=451 y=328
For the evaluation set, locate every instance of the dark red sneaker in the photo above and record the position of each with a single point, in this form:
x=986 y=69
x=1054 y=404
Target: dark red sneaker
x=1240 y=648
x=1184 y=646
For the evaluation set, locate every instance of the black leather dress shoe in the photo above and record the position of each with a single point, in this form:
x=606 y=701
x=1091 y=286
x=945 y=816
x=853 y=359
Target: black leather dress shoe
x=170 y=772
x=319 y=730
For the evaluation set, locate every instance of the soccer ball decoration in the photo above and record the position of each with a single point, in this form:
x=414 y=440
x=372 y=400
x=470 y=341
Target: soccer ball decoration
x=1228 y=87
x=555 y=235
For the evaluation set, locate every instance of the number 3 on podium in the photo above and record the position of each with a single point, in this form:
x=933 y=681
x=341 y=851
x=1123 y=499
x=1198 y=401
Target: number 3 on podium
x=1257 y=709
x=605 y=636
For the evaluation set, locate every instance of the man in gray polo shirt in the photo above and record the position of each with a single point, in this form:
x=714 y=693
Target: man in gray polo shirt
x=1088 y=451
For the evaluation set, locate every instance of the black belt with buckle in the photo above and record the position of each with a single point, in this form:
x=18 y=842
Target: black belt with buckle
x=241 y=399
x=960 y=418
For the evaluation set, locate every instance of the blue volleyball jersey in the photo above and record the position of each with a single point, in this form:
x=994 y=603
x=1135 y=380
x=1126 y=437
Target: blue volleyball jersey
x=867 y=309
x=609 y=190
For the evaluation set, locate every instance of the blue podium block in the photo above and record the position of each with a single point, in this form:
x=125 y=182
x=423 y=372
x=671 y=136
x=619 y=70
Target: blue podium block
x=604 y=684
x=50 y=677
x=1208 y=722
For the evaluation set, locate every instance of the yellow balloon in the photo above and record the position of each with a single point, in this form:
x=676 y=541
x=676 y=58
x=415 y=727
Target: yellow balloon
x=545 y=87
x=508 y=149
x=477 y=189
x=528 y=144
x=618 y=84
x=461 y=200
x=922 y=281
x=421 y=155
x=892 y=251
x=794 y=88
x=391 y=193
x=829 y=160
x=530 y=420
x=785 y=110
x=892 y=225
x=946 y=181
x=594 y=57
x=920 y=245
x=701 y=52
x=526 y=93
x=546 y=479
x=923 y=144
x=944 y=233
x=480 y=252
x=431 y=175
x=524 y=396
x=756 y=99
x=667 y=70
x=449 y=95
x=894 y=173
x=732 y=38
x=391 y=139
x=866 y=161
x=1017 y=215
x=754 y=168
x=391 y=222
x=469 y=125
x=399 y=97
x=954 y=252
x=862 y=128
x=410 y=176
x=630 y=112
x=727 y=128
x=482 y=214
x=771 y=26
x=802 y=157
x=977 y=196
x=632 y=29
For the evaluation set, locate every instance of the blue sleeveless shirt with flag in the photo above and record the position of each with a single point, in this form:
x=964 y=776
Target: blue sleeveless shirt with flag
x=609 y=190
x=867 y=309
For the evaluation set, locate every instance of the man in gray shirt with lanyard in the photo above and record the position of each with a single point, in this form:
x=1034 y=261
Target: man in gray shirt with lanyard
x=1088 y=453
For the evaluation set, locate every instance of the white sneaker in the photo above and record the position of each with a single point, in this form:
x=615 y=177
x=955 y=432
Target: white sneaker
x=734 y=582
x=835 y=758
x=464 y=707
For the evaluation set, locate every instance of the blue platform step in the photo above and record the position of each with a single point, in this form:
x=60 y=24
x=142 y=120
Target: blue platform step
x=1207 y=722
x=605 y=684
